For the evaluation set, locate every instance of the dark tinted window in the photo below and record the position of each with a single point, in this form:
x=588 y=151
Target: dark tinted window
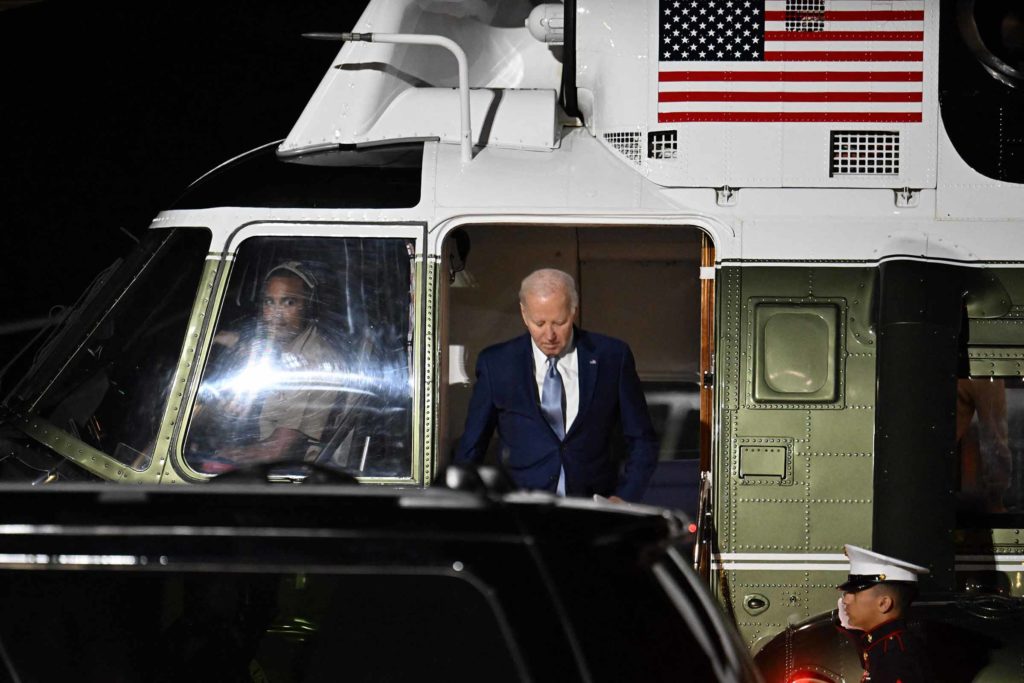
x=380 y=178
x=981 y=83
x=225 y=627
x=112 y=392
x=621 y=613
x=627 y=611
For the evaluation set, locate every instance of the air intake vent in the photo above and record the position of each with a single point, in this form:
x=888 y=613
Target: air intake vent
x=865 y=152
x=661 y=144
x=626 y=144
x=805 y=15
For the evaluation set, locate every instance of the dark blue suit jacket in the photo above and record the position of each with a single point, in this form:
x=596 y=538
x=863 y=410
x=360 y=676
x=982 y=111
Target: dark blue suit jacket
x=505 y=396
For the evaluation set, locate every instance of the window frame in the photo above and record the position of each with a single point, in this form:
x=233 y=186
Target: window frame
x=92 y=459
x=177 y=468
x=707 y=284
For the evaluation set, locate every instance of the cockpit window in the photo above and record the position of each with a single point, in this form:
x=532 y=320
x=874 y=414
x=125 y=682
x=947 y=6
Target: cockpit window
x=386 y=177
x=112 y=392
x=311 y=359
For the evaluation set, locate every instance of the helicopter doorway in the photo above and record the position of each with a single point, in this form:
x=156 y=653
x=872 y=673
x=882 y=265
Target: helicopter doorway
x=640 y=284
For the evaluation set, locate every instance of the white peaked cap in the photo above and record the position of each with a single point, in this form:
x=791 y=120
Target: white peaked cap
x=868 y=568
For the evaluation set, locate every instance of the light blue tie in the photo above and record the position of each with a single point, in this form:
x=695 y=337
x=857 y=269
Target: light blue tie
x=551 y=404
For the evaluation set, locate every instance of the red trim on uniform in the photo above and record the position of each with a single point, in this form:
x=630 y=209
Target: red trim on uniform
x=895 y=635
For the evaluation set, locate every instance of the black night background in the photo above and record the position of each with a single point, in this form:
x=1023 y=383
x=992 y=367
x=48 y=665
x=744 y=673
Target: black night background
x=110 y=108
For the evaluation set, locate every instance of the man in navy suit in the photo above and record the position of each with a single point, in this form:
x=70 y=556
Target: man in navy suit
x=555 y=395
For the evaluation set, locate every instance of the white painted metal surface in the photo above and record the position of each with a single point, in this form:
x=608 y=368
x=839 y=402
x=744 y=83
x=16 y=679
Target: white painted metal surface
x=583 y=182
x=465 y=141
x=546 y=23
x=621 y=73
x=502 y=118
x=365 y=80
x=534 y=166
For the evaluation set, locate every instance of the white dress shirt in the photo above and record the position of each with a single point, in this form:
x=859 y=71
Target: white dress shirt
x=569 y=369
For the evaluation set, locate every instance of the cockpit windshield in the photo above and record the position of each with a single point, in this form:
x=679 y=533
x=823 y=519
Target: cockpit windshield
x=311 y=359
x=105 y=378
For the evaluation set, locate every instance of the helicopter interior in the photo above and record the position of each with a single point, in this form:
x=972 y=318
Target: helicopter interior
x=639 y=284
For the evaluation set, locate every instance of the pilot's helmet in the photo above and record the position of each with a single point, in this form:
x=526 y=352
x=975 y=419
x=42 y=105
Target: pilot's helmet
x=868 y=568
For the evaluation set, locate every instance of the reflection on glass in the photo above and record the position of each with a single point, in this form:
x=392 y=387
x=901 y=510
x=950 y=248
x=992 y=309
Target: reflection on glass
x=112 y=393
x=310 y=360
x=990 y=440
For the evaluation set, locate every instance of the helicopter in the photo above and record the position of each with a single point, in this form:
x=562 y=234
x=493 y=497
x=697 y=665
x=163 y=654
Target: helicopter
x=808 y=232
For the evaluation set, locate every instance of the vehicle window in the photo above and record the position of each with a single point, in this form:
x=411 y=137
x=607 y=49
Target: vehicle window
x=311 y=359
x=632 y=614
x=235 y=626
x=990 y=442
x=112 y=392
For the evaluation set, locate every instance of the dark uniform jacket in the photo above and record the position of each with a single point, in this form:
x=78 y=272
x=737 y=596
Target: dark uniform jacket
x=890 y=654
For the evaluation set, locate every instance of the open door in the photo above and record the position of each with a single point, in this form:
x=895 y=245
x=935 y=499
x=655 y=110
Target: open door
x=702 y=547
x=638 y=283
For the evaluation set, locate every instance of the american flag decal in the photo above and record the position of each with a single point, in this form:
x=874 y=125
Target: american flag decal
x=790 y=61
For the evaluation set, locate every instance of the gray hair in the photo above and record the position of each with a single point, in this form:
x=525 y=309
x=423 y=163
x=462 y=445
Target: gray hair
x=548 y=281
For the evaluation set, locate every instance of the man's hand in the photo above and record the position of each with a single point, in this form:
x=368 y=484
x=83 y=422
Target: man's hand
x=226 y=338
x=610 y=499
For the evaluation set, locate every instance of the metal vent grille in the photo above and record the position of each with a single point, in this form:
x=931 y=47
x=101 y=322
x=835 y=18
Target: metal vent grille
x=868 y=152
x=627 y=144
x=661 y=144
x=805 y=15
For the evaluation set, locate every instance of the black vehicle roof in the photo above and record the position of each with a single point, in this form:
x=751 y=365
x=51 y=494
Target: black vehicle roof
x=541 y=570
x=197 y=504
x=112 y=520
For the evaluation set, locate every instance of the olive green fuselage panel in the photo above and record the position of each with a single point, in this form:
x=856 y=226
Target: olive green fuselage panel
x=795 y=386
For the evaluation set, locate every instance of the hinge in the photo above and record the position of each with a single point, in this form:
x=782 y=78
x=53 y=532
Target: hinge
x=907 y=198
x=726 y=196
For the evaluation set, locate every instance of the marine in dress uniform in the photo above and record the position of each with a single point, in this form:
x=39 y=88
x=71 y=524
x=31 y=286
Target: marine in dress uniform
x=875 y=598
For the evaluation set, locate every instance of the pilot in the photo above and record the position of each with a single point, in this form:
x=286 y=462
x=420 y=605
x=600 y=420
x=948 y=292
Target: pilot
x=284 y=377
x=876 y=596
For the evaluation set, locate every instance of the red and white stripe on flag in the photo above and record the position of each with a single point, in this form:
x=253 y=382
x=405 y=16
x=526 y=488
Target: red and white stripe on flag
x=790 y=61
